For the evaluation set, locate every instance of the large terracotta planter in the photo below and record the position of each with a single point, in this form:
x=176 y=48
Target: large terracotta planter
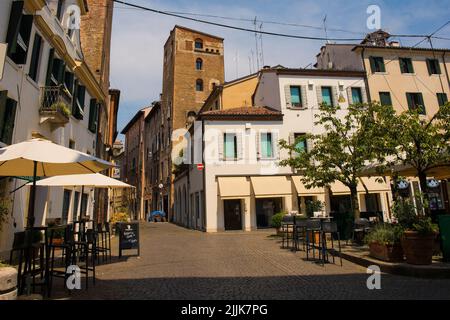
x=386 y=252
x=418 y=248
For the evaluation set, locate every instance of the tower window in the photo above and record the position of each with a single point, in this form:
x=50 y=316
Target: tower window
x=199 y=85
x=199 y=64
x=198 y=44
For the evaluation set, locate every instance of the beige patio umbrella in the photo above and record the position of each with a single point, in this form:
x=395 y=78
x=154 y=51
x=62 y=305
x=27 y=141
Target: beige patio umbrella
x=43 y=158
x=93 y=180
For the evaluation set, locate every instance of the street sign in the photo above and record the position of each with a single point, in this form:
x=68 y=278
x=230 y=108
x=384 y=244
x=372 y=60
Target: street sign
x=3 y=47
x=200 y=166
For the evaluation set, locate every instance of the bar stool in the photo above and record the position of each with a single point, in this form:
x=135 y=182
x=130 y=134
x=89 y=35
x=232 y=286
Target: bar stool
x=108 y=239
x=287 y=225
x=101 y=241
x=313 y=227
x=300 y=233
x=330 y=227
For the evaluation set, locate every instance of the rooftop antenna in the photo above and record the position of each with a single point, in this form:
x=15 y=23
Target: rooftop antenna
x=253 y=60
x=261 y=44
x=325 y=28
x=256 y=44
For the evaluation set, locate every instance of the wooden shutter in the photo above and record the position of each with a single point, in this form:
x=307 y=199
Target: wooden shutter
x=319 y=95
x=304 y=96
x=20 y=55
x=3 y=98
x=287 y=94
x=334 y=96
x=51 y=56
x=81 y=96
x=220 y=145
x=74 y=98
x=409 y=100
x=35 y=57
x=364 y=97
x=239 y=146
x=383 y=66
x=349 y=96
x=429 y=67
x=14 y=26
x=422 y=109
x=61 y=71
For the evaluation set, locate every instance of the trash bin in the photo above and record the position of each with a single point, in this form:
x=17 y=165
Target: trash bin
x=444 y=230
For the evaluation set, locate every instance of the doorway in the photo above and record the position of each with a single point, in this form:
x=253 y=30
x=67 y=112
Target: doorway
x=232 y=214
x=265 y=209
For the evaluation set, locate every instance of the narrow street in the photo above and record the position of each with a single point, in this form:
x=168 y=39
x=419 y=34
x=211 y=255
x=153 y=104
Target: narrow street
x=176 y=263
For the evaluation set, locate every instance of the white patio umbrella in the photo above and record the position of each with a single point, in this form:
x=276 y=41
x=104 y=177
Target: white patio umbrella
x=93 y=180
x=43 y=158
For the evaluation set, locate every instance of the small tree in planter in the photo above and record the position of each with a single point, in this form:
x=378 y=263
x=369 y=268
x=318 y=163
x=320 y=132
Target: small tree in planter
x=276 y=220
x=384 y=242
x=419 y=235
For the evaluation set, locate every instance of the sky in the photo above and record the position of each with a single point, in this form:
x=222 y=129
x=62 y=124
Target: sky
x=138 y=36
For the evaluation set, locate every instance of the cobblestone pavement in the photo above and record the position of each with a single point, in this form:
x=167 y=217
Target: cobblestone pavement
x=176 y=263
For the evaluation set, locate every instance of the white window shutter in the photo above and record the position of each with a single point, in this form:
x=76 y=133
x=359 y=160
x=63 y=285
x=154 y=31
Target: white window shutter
x=287 y=94
x=364 y=95
x=319 y=95
x=349 y=96
x=304 y=96
x=335 y=95
x=275 y=147
x=291 y=138
x=240 y=153
x=258 y=145
x=220 y=140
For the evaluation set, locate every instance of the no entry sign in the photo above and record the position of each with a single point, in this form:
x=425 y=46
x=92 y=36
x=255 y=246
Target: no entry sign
x=200 y=166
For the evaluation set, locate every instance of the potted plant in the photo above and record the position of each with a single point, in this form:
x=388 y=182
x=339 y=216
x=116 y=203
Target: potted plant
x=276 y=220
x=384 y=242
x=419 y=235
x=61 y=107
x=118 y=217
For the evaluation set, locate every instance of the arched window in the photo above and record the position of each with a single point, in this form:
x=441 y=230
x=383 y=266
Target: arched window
x=199 y=64
x=199 y=85
x=198 y=44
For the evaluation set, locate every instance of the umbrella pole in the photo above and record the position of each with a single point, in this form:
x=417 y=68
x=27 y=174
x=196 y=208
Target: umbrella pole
x=32 y=198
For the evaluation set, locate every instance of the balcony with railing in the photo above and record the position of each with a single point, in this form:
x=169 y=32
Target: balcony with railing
x=55 y=106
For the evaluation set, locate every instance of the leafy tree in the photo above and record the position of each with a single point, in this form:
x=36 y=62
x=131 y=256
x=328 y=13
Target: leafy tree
x=413 y=140
x=340 y=153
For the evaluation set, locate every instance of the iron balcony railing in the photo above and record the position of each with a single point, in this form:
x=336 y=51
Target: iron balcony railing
x=55 y=98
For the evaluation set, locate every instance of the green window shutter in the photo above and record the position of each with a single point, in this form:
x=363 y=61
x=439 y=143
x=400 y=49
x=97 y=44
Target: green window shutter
x=74 y=99
x=51 y=56
x=14 y=27
x=61 y=72
x=385 y=99
x=3 y=98
x=438 y=66
x=35 y=55
x=81 y=96
x=382 y=65
x=410 y=66
x=430 y=72
x=409 y=99
x=421 y=104
x=372 y=64
x=9 y=119
x=442 y=99
x=401 y=62
x=93 y=115
x=23 y=40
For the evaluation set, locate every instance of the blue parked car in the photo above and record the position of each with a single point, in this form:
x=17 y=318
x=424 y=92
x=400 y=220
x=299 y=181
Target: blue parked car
x=157 y=215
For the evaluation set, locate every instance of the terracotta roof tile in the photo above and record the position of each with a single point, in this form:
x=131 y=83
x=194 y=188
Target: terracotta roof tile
x=243 y=113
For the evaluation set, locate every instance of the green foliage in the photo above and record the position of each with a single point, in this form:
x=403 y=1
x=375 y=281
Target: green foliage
x=4 y=212
x=4 y=265
x=385 y=233
x=341 y=153
x=313 y=206
x=61 y=107
x=424 y=225
x=119 y=217
x=276 y=219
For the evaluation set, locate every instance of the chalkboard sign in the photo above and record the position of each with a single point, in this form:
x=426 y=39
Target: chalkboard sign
x=128 y=236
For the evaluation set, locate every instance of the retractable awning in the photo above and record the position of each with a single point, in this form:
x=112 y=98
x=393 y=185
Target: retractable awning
x=271 y=186
x=233 y=187
x=302 y=190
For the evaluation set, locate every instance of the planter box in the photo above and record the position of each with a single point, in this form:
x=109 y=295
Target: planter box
x=386 y=252
x=8 y=283
x=418 y=248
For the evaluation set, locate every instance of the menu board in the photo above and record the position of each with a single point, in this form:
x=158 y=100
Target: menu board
x=128 y=236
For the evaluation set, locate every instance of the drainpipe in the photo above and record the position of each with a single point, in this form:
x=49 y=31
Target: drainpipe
x=204 y=178
x=445 y=68
x=366 y=78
